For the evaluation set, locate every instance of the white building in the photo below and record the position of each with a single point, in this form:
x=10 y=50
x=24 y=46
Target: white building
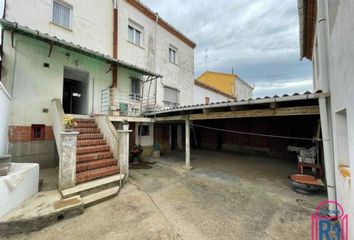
x=326 y=39
x=205 y=94
x=113 y=57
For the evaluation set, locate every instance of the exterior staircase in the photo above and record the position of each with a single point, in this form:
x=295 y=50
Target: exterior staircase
x=94 y=158
x=97 y=172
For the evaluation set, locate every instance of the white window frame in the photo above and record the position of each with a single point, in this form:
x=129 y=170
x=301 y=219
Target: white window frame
x=136 y=28
x=175 y=50
x=70 y=15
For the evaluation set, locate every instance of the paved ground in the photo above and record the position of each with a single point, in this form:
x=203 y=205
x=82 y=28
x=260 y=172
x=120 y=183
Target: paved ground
x=226 y=196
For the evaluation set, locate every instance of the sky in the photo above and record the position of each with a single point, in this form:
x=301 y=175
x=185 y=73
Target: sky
x=259 y=39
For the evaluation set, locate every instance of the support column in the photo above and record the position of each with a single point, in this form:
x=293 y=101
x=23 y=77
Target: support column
x=67 y=161
x=188 y=147
x=179 y=137
x=124 y=150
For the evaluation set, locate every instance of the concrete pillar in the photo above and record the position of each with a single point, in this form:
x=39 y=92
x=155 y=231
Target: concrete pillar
x=188 y=147
x=124 y=151
x=67 y=162
x=179 y=137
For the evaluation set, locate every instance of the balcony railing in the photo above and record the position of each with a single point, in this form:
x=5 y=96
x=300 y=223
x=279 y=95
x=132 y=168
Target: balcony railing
x=114 y=102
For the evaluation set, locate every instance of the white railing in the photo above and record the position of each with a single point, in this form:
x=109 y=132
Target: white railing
x=114 y=102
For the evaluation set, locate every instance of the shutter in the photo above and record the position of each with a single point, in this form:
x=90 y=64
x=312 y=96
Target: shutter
x=171 y=95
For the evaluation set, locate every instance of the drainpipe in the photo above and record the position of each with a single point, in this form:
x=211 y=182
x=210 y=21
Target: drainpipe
x=324 y=103
x=115 y=42
x=155 y=65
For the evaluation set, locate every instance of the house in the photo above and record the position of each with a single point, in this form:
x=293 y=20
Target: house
x=326 y=42
x=217 y=87
x=116 y=58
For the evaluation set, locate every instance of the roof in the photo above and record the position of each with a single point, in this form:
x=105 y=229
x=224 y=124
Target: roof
x=275 y=99
x=163 y=23
x=223 y=82
x=213 y=89
x=17 y=28
x=307 y=20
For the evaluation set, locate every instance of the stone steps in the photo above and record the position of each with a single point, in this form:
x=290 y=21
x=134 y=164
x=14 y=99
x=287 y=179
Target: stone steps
x=89 y=136
x=92 y=149
x=93 y=156
x=83 y=187
x=91 y=142
x=89 y=175
x=100 y=196
x=80 y=167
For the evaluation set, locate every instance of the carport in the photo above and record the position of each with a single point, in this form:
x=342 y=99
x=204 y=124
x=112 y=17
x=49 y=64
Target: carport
x=263 y=126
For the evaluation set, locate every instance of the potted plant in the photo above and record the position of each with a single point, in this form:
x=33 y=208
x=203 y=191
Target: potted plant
x=136 y=152
x=69 y=123
x=125 y=125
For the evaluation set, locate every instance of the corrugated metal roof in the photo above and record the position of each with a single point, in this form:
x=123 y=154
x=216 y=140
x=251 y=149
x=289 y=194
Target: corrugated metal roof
x=284 y=98
x=13 y=26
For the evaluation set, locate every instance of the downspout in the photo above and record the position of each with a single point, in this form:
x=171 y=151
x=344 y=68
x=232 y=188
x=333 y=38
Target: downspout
x=115 y=43
x=324 y=103
x=155 y=64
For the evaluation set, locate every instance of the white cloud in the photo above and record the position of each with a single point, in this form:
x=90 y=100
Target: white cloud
x=258 y=38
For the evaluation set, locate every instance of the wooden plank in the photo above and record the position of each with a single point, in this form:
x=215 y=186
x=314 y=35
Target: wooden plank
x=289 y=111
x=90 y=185
x=100 y=196
x=171 y=118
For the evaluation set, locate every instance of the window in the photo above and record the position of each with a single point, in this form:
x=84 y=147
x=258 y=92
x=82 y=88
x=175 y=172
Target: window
x=38 y=132
x=207 y=100
x=135 y=88
x=143 y=130
x=173 y=55
x=171 y=96
x=62 y=14
x=135 y=35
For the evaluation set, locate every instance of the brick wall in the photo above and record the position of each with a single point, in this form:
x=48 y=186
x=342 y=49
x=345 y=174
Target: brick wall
x=24 y=134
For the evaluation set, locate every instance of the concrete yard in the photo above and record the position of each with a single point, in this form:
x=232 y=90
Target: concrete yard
x=225 y=196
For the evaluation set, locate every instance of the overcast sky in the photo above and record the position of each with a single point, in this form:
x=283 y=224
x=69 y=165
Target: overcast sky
x=258 y=38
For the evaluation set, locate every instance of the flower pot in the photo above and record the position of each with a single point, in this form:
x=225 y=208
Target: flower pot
x=126 y=127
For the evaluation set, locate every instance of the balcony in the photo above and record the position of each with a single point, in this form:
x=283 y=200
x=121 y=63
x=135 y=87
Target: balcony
x=118 y=103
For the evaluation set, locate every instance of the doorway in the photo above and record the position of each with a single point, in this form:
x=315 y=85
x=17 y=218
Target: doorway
x=75 y=91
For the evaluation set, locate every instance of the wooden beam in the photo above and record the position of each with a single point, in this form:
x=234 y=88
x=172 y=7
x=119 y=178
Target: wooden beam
x=171 y=118
x=289 y=111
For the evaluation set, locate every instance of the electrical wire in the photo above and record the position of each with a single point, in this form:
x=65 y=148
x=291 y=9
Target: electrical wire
x=257 y=134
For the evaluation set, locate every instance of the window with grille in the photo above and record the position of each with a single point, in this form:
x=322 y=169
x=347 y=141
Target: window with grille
x=38 y=132
x=173 y=55
x=171 y=96
x=62 y=14
x=143 y=130
x=135 y=88
x=135 y=34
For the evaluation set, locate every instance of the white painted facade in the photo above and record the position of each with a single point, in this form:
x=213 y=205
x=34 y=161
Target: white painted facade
x=5 y=99
x=243 y=90
x=200 y=94
x=33 y=86
x=333 y=73
x=91 y=26
x=153 y=54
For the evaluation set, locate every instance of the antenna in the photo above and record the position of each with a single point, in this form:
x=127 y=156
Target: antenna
x=206 y=58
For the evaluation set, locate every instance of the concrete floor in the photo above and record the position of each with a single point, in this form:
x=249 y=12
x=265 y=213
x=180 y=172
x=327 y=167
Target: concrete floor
x=225 y=196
